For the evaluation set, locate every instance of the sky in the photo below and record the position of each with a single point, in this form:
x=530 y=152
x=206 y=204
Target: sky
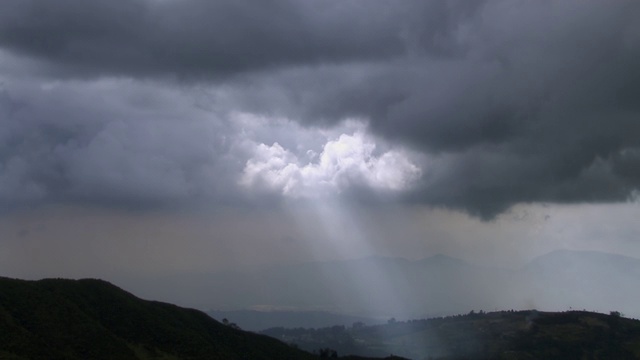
x=156 y=137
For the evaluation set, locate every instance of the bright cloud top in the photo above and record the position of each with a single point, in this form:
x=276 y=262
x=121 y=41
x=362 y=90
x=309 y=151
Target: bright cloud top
x=344 y=161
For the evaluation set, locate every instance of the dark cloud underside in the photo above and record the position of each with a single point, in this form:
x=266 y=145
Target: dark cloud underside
x=510 y=101
x=196 y=38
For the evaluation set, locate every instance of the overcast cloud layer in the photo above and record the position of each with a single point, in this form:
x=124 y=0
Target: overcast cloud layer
x=471 y=105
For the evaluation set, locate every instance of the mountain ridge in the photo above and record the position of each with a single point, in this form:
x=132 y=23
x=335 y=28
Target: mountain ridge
x=408 y=288
x=441 y=285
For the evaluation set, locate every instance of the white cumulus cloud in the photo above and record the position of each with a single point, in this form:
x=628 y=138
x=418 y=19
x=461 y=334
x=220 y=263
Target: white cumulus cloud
x=344 y=161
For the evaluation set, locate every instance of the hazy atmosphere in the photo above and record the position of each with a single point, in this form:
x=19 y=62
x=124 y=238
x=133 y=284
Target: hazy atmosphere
x=175 y=146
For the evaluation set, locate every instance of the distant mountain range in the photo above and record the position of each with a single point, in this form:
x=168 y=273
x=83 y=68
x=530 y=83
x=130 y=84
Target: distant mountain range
x=380 y=288
x=253 y=320
x=390 y=287
x=92 y=319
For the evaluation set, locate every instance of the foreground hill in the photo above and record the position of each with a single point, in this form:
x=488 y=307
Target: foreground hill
x=519 y=335
x=92 y=319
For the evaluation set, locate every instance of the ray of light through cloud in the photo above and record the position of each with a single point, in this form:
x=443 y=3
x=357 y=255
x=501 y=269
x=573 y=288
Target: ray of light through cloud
x=317 y=178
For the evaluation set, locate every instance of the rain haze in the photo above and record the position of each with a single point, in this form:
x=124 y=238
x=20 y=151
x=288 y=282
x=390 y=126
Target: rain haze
x=180 y=147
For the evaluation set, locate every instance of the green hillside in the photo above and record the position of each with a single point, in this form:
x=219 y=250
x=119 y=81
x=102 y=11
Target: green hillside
x=92 y=319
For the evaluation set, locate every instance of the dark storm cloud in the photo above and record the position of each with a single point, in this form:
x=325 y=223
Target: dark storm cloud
x=512 y=101
x=540 y=107
x=114 y=143
x=192 y=38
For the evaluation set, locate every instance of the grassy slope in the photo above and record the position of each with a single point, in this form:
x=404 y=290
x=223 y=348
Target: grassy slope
x=530 y=335
x=533 y=335
x=92 y=319
x=498 y=335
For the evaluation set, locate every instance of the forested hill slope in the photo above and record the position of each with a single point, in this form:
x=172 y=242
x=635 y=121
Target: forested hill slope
x=93 y=319
x=504 y=335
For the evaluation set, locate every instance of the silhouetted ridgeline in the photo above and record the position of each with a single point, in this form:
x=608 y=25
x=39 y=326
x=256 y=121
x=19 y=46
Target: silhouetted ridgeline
x=92 y=319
